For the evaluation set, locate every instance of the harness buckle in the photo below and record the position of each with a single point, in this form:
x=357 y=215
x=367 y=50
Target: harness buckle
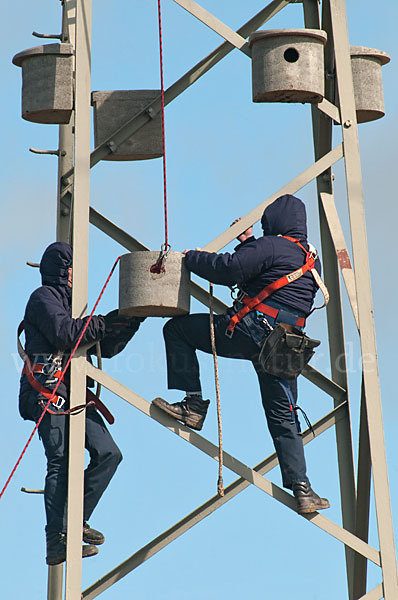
x=229 y=333
x=59 y=403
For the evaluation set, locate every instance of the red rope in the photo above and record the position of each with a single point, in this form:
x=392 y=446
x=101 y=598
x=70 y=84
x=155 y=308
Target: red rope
x=166 y=236
x=59 y=380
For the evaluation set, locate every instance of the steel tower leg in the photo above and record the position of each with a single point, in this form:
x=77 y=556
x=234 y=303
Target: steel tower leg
x=371 y=385
x=79 y=293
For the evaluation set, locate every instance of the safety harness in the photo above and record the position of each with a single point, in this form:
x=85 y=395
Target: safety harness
x=256 y=303
x=53 y=370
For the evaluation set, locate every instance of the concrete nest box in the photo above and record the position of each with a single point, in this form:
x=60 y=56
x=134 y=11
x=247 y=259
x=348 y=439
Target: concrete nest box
x=47 y=83
x=146 y=294
x=366 y=66
x=288 y=65
x=113 y=109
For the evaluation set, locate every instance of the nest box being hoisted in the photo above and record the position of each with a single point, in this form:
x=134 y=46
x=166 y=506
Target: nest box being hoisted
x=288 y=65
x=113 y=109
x=47 y=83
x=146 y=294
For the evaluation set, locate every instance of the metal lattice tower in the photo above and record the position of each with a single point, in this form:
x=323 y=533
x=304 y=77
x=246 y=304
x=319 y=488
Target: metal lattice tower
x=74 y=216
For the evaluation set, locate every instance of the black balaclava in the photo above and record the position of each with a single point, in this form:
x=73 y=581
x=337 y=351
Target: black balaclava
x=56 y=260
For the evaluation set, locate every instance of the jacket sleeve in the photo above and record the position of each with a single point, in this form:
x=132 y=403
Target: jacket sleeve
x=117 y=337
x=54 y=322
x=250 y=258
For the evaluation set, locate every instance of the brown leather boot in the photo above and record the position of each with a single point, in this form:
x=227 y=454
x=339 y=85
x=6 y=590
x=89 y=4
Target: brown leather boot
x=191 y=411
x=307 y=500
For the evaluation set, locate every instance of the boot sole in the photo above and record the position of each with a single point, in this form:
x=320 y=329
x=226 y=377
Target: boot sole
x=311 y=509
x=186 y=420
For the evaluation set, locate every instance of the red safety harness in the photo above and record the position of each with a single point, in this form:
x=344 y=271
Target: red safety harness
x=256 y=303
x=30 y=369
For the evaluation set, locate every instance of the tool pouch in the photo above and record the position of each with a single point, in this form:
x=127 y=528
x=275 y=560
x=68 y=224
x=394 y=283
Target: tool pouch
x=285 y=353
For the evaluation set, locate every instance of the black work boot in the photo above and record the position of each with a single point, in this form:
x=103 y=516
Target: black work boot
x=307 y=500
x=56 y=549
x=191 y=411
x=92 y=536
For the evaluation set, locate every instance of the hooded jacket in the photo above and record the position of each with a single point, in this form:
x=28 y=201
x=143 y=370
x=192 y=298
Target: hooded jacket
x=259 y=262
x=49 y=326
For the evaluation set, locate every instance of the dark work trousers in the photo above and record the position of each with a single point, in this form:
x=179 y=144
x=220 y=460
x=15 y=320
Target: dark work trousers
x=54 y=433
x=184 y=335
x=105 y=456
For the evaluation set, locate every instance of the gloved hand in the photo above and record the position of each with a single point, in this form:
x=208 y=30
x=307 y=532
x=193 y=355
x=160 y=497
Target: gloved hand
x=116 y=324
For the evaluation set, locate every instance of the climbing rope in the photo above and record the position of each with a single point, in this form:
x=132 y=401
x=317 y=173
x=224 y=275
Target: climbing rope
x=59 y=380
x=159 y=266
x=220 y=485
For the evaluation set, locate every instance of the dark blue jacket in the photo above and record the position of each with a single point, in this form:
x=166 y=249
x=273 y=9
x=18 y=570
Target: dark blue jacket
x=259 y=262
x=49 y=326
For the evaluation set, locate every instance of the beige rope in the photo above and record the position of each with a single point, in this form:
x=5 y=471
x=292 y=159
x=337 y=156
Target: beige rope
x=220 y=485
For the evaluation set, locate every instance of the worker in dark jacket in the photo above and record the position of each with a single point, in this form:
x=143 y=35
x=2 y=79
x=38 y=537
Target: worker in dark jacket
x=50 y=334
x=255 y=264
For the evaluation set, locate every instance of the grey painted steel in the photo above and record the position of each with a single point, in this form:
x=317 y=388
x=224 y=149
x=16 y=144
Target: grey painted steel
x=65 y=162
x=203 y=511
x=341 y=249
x=187 y=80
x=330 y=110
x=287 y=65
x=363 y=498
x=113 y=109
x=364 y=299
x=47 y=83
x=375 y=594
x=366 y=66
x=146 y=294
x=231 y=462
x=130 y=243
x=215 y=24
x=322 y=137
x=292 y=187
x=81 y=200
x=55 y=581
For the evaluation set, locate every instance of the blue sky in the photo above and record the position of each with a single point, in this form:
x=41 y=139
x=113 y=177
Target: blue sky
x=224 y=156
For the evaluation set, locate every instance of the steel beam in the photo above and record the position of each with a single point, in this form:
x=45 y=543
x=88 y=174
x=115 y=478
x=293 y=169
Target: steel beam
x=129 y=242
x=375 y=594
x=322 y=136
x=81 y=201
x=363 y=499
x=231 y=462
x=55 y=582
x=321 y=165
x=329 y=109
x=364 y=298
x=341 y=249
x=215 y=24
x=202 y=67
x=203 y=511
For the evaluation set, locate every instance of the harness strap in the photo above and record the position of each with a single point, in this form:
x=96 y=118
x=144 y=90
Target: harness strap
x=29 y=370
x=256 y=301
x=270 y=311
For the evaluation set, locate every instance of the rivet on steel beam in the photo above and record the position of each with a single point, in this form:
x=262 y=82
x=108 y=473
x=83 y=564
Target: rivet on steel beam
x=347 y=123
x=151 y=112
x=112 y=146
